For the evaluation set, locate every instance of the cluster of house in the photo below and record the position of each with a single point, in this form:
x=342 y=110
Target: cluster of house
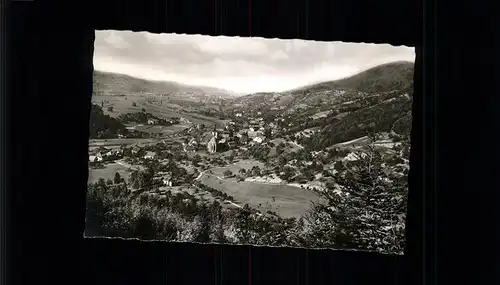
x=223 y=139
x=153 y=121
x=148 y=155
x=165 y=178
x=307 y=133
x=219 y=141
x=252 y=132
x=102 y=153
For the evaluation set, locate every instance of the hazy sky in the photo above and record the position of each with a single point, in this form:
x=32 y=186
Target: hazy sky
x=243 y=65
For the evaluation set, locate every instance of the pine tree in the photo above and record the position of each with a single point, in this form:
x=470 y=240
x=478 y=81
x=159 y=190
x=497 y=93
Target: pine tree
x=144 y=226
x=366 y=207
x=218 y=222
x=118 y=178
x=203 y=234
x=243 y=224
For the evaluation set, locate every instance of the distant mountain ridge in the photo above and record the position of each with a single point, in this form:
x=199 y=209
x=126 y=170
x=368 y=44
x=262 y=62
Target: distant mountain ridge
x=381 y=78
x=389 y=77
x=116 y=84
x=379 y=99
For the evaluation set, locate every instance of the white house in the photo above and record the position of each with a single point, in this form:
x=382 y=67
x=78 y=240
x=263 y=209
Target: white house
x=167 y=181
x=184 y=120
x=258 y=139
x=192 y=142
x=95 y=158
x=114 y=152
x=150 y=155
x=253 y=134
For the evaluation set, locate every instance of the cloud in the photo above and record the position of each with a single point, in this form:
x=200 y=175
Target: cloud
x=222 y=46
x=280 y=55
x=114 y=40
x=238 y=64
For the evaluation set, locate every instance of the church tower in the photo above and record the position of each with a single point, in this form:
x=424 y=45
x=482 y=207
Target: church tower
x=212 y=144
x=214 y=133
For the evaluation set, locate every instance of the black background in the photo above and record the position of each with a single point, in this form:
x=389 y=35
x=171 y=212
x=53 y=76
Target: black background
x=454 y=178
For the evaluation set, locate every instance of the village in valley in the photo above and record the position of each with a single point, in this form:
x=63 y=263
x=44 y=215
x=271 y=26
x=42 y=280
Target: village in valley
x=265 y=157
x=321 y=165
x=245 y=150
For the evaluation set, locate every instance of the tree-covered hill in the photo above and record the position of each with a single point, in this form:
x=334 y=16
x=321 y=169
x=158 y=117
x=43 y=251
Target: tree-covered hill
x=114 y=83
x=104 y=126
x=386 y=80
x=382 y=78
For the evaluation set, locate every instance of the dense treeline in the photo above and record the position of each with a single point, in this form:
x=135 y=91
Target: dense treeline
x=365 y=209
x=387 y=116
x=103 y=126
x=382 y=78
x=368 y=212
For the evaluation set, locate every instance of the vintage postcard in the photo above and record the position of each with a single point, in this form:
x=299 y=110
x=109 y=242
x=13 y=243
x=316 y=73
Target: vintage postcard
x=256 y=141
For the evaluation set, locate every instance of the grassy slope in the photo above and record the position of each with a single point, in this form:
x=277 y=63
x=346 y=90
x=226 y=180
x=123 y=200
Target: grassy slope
x=379 y=79
x=382 y=78
x=376 y=97
x=118 y=84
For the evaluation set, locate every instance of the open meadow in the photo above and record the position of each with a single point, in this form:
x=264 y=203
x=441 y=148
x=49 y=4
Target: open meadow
x=108 y=172
x=153 y=104
x=285 y=200
x=109 y=143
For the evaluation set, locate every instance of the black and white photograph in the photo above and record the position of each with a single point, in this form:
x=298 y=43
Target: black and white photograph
x=249 y=141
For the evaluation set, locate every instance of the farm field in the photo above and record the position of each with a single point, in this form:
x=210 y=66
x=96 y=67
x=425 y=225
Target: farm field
x=124 y=105
x=164 y=130
x=108 y=172
x=118 y=142
x=286 y=200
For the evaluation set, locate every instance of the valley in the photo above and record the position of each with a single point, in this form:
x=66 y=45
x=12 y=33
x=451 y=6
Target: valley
x=281 y=160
